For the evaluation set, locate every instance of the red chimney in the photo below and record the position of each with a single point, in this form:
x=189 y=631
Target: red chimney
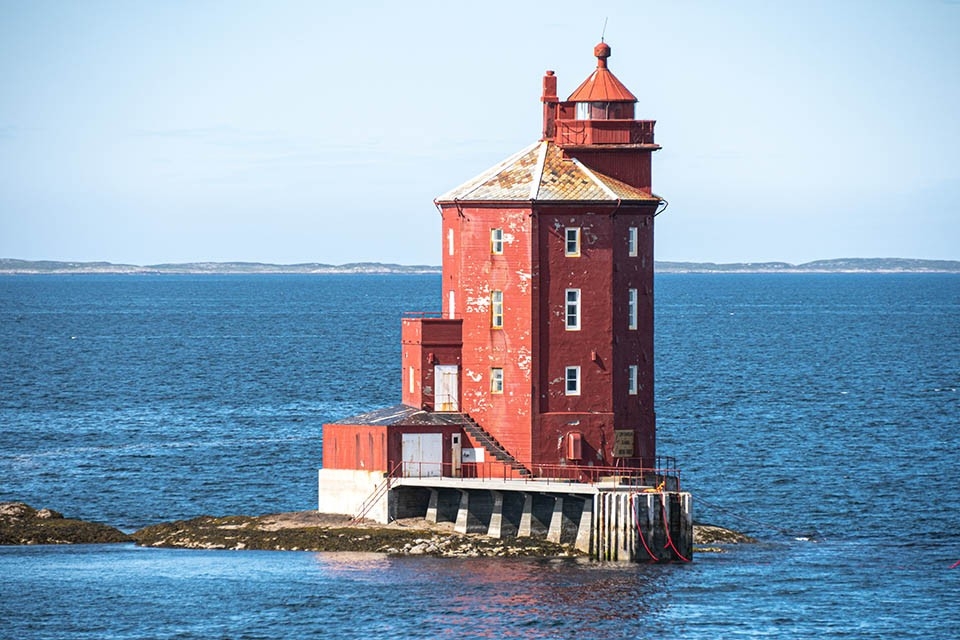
x=550 y=100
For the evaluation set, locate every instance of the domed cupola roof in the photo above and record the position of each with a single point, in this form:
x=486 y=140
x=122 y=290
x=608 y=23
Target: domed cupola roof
x=602 y=85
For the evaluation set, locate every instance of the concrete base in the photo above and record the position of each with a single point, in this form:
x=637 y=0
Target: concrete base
x=641 y=526
x=463 y=514
x=555 y=532
x=585 y=529
x=615 y=524
x=345 y=490
x=496 y=518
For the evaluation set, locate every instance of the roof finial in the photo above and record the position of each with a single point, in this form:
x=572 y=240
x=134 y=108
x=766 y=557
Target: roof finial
x=602 y=51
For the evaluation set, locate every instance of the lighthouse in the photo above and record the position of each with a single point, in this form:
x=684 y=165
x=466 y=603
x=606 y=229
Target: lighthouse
x=538 y=367
x=548 y=261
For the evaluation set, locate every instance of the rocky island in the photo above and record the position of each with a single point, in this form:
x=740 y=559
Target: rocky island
x=21 y=524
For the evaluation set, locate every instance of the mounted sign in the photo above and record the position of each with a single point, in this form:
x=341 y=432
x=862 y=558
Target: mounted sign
x=623 y=444
x=472 y=455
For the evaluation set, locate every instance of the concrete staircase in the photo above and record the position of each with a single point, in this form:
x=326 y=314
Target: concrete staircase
x=493 y=447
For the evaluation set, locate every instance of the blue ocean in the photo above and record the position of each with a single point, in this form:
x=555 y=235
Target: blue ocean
x=819 y=413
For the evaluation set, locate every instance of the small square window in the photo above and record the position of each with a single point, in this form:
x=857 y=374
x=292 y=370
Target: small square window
x=496 y=380
x=632 y=379
x=496 y=241
x=496 y=309
x=572 y=241
x=572 y=381
x=632 y=248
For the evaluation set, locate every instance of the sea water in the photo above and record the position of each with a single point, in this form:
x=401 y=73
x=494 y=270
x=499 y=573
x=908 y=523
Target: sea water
x=818 y=413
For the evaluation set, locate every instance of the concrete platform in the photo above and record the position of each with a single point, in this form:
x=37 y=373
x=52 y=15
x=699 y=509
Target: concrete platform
x=608 y=520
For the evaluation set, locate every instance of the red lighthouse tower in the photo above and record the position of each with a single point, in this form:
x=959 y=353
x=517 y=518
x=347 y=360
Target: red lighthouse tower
x=548 y=261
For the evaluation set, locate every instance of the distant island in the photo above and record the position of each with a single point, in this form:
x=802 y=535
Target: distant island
x=11 y=266
x=839 y=265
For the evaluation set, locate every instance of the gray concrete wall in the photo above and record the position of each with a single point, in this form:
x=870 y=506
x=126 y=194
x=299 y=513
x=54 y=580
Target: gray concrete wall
x=344 y=491
x=643 y=527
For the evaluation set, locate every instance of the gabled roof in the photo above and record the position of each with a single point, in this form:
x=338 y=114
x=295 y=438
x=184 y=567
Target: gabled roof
x=602 y=85
x=542 y=173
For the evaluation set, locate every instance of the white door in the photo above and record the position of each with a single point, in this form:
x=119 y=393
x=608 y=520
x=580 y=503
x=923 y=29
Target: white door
x=422 y=454
x=445 y=388
x=456 y=455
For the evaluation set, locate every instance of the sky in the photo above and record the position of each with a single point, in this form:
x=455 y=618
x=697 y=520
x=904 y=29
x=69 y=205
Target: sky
x=290 y=132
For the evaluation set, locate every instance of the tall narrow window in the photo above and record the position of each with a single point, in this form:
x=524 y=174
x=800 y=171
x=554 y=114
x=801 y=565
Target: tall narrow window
x=572 y=381
x=571 y=241
x=496 y=241
x=496 y=309
x=496 y=380
x=451 y=305
x=573 y=310
x=632 y=309
x=632 y=241
x=632 y=379
x=450 y=242
x=410 y=375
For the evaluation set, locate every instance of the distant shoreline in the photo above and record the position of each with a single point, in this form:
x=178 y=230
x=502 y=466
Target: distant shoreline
x=10 y=266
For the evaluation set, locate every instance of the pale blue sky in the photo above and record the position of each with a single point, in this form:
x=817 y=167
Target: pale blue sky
x=282 y=131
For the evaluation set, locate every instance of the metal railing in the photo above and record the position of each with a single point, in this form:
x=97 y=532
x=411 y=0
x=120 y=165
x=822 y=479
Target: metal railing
x=605 y=131
x=378 y=492
x=544 y=474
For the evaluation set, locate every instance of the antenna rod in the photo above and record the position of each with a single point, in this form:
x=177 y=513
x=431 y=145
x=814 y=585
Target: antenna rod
x=604 y=32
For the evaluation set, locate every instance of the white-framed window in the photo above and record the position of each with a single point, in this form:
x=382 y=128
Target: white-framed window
x=496 y=309
x=496 y=380
x=410 y=375
x=451 y=304
x=496 y=241
x=572 y=381
x=632 y=309
x=450 y=242
x=572 y=310
x=583 y=111
x=571 y=237
x=632 y=371
x=632 y=242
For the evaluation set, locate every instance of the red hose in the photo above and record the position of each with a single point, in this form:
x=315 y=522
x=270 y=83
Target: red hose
x=666 y=528
x=636 y=519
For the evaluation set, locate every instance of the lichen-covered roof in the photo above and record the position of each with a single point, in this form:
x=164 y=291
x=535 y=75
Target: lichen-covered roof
x=404 y=415
x=542 y=173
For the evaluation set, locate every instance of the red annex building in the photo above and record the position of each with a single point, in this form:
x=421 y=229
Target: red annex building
x=541 y=361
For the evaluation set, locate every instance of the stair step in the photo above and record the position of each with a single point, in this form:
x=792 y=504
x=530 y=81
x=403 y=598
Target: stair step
x=491 y=445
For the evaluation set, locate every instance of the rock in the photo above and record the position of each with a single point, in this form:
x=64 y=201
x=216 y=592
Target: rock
x=710 y=534
x=16 y=510
x=22 y=524
x=319 y=532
